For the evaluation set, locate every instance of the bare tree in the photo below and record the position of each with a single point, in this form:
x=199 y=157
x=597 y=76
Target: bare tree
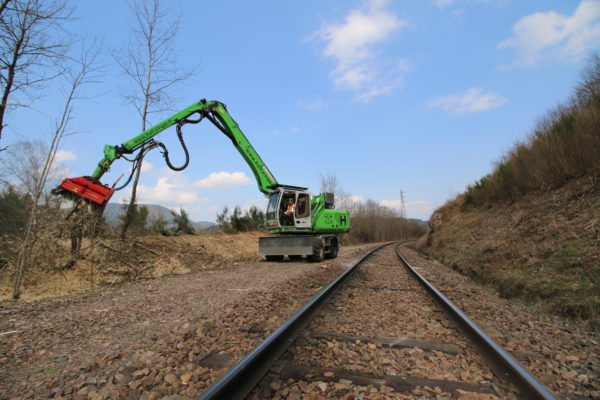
x=151 y=69
x=82 y=73
x=21 y=167
x=31 y=42
x=330 y=184
x=3 y=6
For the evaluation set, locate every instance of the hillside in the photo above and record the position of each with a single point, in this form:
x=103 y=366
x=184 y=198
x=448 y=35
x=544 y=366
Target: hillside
x=530 y=228
x=114 y=210
x=543 y=249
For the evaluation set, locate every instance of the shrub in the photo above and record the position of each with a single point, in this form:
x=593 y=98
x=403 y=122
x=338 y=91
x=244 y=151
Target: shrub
x=564 y=145
x=250 y=220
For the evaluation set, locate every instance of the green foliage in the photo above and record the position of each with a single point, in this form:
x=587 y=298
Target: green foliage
x=139 y=219
x=249 y=220
x=159 y=225
x=183 y=224
x=588 y=90
x=50 y=370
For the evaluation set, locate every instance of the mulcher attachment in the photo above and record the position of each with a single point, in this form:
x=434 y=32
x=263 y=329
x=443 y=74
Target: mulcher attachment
x=87 y=188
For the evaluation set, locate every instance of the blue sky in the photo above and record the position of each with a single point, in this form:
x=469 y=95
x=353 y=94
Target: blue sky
x=418 y=96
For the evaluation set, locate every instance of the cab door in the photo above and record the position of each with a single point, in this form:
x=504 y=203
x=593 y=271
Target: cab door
x=302 y=214
x=272 y=215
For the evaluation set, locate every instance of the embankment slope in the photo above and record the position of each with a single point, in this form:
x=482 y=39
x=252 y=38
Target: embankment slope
x=543 y=248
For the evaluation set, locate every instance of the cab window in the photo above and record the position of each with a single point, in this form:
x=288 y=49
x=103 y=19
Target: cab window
x=272 y=206
x=302 y=206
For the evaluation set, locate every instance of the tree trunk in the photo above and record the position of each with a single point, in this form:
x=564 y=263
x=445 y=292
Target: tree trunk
x=24 y=251
x=130 y=207
x=10 y=80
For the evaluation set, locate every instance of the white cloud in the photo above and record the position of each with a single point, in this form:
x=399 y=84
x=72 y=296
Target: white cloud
x=398 y=203
x=414 y=209
x=351 y=43
x=223 y=180
x=64 y=155
x=147 y=166
x=473 y=100
x=443 y=3
x=59 y=172
x=171 y=189
x=550 y=34
x=356 y=199
x=285 y=131
x=314 y=105
x=167 y=191
x=260 y=203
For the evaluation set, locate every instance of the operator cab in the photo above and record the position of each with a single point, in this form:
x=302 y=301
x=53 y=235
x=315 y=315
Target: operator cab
x=288 y=208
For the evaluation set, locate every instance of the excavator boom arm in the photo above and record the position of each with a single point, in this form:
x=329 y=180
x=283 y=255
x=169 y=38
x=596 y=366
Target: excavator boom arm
x=91 y=188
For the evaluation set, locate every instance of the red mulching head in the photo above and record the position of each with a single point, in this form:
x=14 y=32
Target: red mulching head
x=87 y=188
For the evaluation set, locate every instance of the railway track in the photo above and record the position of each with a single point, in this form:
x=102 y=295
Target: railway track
x=375 y=332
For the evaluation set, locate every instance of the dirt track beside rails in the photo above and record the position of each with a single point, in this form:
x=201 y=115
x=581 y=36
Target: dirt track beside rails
x=178 y=334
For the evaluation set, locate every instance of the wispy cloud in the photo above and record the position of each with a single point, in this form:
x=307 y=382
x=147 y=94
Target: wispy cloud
x=314 y=105
x=473 y=100
x=550 y=34
x=414 y=209
x=441 y=4
x=397 y=203
x=356 y=199
x=64 y=155
x=352 y=44
x=223 y=180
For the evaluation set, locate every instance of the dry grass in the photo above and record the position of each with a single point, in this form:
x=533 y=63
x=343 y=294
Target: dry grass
x=113 y=261
x=531 y=228
x=542 y=249
x=565 y=145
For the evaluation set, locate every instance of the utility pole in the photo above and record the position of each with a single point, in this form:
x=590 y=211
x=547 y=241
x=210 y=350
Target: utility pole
x=402 y=205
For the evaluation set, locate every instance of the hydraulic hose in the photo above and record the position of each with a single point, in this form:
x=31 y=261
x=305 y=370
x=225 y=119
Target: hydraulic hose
x=165 y=152
x=152 y=144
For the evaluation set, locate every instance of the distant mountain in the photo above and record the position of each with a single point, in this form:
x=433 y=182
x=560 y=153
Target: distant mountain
x=113 y=210
x=420 y=221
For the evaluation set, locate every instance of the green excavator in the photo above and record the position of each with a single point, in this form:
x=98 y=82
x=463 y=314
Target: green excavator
x=304 y=225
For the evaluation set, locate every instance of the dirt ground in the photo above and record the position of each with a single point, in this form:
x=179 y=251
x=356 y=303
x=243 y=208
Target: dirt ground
x=56 y=346
x=175 y=335
x=110 y=262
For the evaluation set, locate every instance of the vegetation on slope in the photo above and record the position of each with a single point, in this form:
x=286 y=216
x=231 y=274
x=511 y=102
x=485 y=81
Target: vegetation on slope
x=565 y=145
x=530 y=229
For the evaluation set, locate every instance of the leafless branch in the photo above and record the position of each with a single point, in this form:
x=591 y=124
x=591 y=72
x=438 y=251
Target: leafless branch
x=151 y=68
x=83 y=72
x=32 y=39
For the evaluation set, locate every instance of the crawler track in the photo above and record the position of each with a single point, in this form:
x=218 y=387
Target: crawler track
x=374 y=332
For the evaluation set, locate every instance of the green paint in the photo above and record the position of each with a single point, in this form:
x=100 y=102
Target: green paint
x=215 y=109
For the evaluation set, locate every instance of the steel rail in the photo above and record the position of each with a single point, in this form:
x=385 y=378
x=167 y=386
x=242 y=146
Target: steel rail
x=239 y=381
x=510 y=370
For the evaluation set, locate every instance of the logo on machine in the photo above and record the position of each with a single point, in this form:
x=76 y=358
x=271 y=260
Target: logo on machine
x=343 y=220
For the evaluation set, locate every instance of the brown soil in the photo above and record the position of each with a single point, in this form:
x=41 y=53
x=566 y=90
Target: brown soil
x=119 y=342
x=543 y=248
x=107 y=262
x=175 y=335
